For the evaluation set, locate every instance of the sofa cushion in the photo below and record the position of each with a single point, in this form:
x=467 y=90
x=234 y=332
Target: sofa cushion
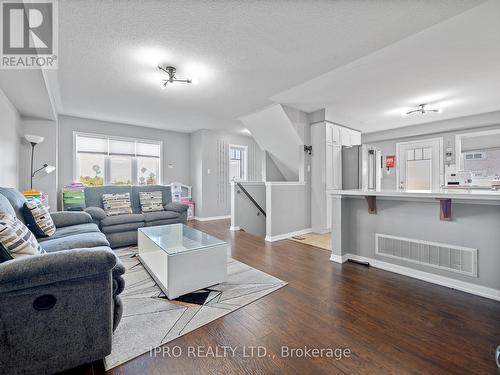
x=116 y=204
x=38 y=219
x=16 y=238
x=161 y=215
x=123 y=219
x=5 y=206
x=150 y=201
x=16 y=199
x=82 y=240
x=121 y=227
x=71 y=231
x=166 y=194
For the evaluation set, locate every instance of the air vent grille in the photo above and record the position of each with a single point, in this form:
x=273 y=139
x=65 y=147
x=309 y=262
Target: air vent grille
x=433 y=254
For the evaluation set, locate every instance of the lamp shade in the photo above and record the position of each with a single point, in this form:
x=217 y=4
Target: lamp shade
x=49 y=169
x=34 y=138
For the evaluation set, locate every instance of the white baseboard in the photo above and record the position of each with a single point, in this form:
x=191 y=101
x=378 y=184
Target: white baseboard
x=448 y=282
x=235 y=228
x=210 y=218
x=339 y=258
x=284 y=236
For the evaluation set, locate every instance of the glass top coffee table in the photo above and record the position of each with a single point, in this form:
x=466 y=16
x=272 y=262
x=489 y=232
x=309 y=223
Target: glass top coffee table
x=182 y=259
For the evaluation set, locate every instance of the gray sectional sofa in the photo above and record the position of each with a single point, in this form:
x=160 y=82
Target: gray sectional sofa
x=58 y=310
x=121 y=230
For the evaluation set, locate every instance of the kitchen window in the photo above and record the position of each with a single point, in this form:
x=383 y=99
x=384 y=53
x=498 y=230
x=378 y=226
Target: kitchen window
x=105 y=160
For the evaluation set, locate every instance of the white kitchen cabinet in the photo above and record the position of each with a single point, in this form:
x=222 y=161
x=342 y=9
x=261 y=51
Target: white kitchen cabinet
x=355 y=137
x=346 y=137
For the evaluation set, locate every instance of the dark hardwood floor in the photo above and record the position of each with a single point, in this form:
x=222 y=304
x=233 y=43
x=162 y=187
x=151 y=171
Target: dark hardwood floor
x=391 y=323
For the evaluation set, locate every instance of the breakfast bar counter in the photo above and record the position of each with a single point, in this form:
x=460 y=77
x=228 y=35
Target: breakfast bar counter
x=450 y=237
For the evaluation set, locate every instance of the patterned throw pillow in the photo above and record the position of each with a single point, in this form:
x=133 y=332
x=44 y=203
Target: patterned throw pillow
x=38 y=219
x=151 y=201
x=116 y=204
x=16 y=240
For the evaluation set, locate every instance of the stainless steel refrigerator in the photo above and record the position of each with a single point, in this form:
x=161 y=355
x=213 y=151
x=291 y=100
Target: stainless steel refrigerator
x=361 y=167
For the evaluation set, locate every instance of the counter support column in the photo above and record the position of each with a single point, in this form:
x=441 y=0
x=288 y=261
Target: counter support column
x=338 y=255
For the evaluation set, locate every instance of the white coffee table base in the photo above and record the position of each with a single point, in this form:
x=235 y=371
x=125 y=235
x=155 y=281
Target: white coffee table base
x=185 y=272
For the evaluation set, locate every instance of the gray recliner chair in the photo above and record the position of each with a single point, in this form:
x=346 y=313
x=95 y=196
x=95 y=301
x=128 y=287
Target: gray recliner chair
x=58 y=310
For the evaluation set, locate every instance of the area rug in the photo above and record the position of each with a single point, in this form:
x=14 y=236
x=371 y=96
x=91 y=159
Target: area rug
x=150 y=320
x=322 y=241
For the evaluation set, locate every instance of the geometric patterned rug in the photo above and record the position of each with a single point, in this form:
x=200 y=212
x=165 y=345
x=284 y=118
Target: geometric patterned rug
x=150 y=319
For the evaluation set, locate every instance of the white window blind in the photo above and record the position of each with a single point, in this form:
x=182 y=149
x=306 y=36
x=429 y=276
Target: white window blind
x=91 y=145
x=114 y=146
x=147 y=149
x=119 y=147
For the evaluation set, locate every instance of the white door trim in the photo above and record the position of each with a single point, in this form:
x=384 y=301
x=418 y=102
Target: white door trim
x=416 y=141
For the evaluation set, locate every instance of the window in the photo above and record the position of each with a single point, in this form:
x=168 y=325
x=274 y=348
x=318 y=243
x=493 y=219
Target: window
x=237 y=162
x=475 y=155
x=102 y=160
x=121 y=170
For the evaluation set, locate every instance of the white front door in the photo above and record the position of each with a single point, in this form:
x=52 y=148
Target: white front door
x=420 y=164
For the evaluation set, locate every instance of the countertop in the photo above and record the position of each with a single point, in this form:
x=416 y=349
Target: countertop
x=489 y=195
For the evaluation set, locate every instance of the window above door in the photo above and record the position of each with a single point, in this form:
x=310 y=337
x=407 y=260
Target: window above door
x=237 y=163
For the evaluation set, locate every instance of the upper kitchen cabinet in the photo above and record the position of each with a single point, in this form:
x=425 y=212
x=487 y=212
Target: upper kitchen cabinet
x=342 y=136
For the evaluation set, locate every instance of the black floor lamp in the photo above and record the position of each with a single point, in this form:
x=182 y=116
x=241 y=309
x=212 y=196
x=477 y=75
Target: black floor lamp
x=34 y=140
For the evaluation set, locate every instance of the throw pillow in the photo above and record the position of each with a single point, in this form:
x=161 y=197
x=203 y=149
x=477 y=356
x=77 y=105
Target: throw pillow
x=116 y=204
x=38 y=219
x=16 y=240
x=151 y=201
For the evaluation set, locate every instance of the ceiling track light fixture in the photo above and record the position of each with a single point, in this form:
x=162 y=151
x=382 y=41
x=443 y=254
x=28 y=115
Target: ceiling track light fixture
x=171 y=70
x=423 y=109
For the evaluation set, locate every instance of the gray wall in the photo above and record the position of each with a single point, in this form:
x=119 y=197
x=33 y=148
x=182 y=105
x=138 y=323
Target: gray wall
x=176 y=146
x=289 y=206
x=272 y=171
x=387 y=140
x=287 y=209
x=9 y=143
x=212 y=194
x=473 y=225
x=45 y=152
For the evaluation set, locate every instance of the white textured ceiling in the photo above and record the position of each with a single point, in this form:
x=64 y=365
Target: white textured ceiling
x=242 y=52
x=454 y=66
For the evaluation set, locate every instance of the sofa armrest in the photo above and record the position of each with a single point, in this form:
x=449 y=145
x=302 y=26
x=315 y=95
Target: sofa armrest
x=33 y=271
x=97 y=213
x=176 y=206
x=68 y=218
x=61 y=303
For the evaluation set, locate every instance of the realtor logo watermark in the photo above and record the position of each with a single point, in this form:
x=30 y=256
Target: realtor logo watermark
x=29 y=34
